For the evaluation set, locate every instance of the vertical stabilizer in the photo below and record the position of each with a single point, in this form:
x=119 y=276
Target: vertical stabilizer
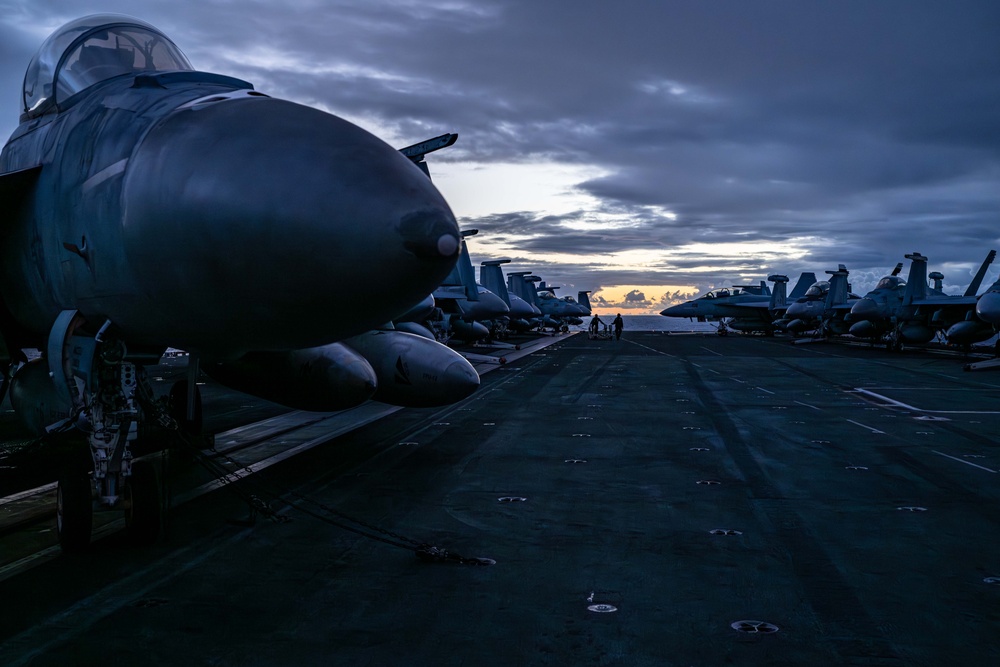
x=491 y=277
x=779 y=297
x=583 y=297
x=838 y=287
x=978 y=280
x=805 y=281
x=520 y=287
x=916 y=280
x=463 y=274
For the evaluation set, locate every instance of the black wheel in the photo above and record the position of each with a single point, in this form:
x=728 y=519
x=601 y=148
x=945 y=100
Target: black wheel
x=178 y=408
x=141 y=501
x=74 y=511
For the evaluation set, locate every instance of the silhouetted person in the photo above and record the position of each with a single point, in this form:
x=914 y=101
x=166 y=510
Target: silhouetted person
x=619 y=324
x=595 y=323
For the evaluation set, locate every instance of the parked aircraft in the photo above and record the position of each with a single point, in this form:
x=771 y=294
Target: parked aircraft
x=910 y=311
x=746 y=308
x=523 y=315
x=556 y=313
x=823 y=307
x=988 y=306
x=469 y=311
x=147 y=205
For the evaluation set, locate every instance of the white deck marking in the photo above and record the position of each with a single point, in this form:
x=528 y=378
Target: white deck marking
x=873 y=430
x=900 y=404
x=968 y=463
x=807 y=405
x=651 y=349
x=718 y=354
x=765 y=390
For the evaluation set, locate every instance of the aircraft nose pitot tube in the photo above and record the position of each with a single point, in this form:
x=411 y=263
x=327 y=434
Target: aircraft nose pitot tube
x=307 y=228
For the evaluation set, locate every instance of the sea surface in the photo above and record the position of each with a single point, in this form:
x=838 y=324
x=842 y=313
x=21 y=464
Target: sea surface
x=652 y=323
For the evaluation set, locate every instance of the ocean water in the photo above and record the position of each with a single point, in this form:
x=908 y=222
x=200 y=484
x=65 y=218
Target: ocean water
x=652 y=323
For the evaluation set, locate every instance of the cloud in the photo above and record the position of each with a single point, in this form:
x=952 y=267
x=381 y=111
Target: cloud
x=720 y=141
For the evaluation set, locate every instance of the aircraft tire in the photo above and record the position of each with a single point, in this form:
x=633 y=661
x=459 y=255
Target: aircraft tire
x=143 y=509
x=178 y=408
x=74 y=511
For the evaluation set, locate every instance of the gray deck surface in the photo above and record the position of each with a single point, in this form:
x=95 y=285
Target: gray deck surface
x=811 y=471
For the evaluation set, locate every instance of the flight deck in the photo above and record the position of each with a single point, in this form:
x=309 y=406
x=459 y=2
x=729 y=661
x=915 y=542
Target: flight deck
x=681 y=499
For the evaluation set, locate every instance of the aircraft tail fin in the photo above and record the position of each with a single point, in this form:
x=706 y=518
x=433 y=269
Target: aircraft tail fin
x=916 y=280
x=491 y=277
x=517 y=285
x=899 y=267
x=978 y=280
x=462 y=273
x=838 y=287
x=805 y=281
x=583 y=297
x=779 y=296
x=416 y=152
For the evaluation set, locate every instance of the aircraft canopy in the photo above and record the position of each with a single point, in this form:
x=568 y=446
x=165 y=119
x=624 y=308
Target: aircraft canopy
x=90 y=50
x=890 y=282
x=818 y=289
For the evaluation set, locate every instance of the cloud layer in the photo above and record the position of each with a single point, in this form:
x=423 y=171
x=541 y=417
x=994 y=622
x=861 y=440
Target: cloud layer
x=726 y=140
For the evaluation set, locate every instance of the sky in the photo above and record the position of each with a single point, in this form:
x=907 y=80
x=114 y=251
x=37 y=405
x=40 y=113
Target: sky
x=645 y=150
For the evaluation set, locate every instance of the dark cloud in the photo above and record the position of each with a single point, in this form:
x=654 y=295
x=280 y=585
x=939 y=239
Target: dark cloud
x=844 y=131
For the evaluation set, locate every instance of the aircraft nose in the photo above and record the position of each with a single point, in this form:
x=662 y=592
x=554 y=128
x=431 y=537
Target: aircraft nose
x=288 y=224
x=461 y=379
x=795 y=310
x=680 y=310
x=988 y=307
x=866 y=309
x=520 y=308
x=493 y=304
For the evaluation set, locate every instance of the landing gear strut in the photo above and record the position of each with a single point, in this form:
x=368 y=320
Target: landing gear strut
x=104 y=393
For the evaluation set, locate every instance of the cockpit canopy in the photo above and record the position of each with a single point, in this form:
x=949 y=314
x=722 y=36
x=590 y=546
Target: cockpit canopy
x=818 y=289
x=891 y=282
x=90 y=50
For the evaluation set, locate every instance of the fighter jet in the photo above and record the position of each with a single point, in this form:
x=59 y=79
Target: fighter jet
x=743 y=307
x=556 y=314
x=469 y=311
x=146 y=204
x=988 y=306
x=910 y=311
x=571 y=313
x=523 y=315
x=823 y=307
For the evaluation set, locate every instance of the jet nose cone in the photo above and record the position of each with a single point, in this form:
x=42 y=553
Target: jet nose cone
x=461 y=379
x=796 y=310
x=866 y=309
x=290 y=225
x=520 y=308
x=493 y=304
x=680 y=310
x=988 y=307
x=430 y=234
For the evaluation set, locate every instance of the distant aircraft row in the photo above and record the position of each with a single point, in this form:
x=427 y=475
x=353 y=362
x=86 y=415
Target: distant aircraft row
x=469 y=311
x=895 y=312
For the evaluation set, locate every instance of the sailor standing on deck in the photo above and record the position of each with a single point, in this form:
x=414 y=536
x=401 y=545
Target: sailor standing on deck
x=595 y=323
x=619 y=324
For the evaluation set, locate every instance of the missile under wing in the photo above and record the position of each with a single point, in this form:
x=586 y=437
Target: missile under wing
x=144 y=204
